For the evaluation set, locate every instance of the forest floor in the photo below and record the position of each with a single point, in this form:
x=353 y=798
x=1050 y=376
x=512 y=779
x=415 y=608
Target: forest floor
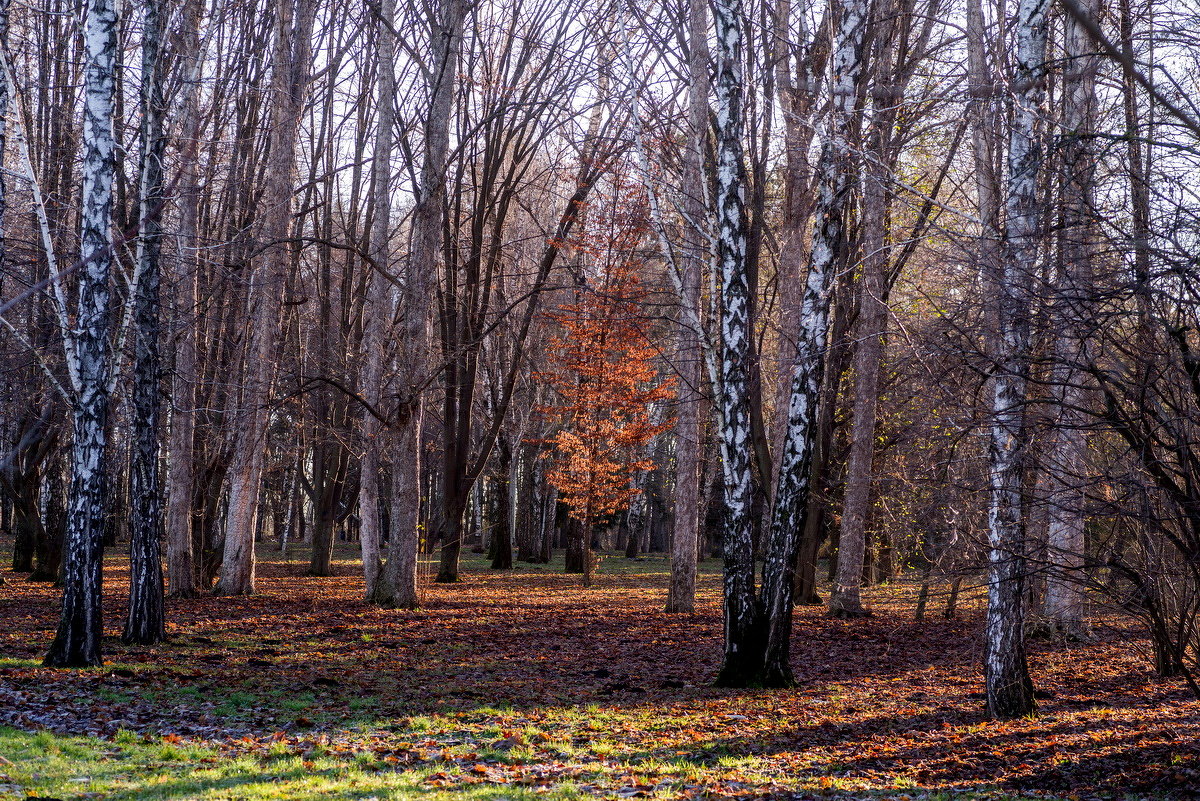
x=524 y=684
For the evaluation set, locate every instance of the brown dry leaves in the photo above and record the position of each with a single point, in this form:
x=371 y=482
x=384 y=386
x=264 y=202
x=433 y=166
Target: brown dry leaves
x=526 y=678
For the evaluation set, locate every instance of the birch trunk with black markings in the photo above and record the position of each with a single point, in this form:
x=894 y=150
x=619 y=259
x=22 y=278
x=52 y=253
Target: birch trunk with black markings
x=145 y=621
x=1009 y=689
x=835 y=171
x=77 y=643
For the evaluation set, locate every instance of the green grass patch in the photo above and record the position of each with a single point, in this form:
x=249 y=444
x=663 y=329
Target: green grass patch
x=47 y=765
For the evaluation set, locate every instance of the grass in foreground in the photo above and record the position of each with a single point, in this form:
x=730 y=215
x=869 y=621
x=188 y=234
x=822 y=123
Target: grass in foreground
x=44 y=765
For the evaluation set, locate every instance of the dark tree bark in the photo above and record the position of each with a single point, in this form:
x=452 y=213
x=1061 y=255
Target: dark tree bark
x=529 y=506
x=145 y=621
x=501 y=551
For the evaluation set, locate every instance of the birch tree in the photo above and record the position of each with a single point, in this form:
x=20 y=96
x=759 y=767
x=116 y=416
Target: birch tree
x=144 y=623
x=1008 y=686
x=835 y=176
x=743 y=618
x=77 y=643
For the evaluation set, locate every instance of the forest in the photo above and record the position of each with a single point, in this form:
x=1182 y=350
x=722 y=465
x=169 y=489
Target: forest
x=501 y=399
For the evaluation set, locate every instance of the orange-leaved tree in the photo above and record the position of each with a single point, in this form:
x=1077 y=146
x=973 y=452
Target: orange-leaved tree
x=602 y=368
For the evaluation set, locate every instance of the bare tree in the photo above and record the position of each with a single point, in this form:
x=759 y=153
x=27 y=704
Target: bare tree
x=835 y=176
x=380 y=297
x=1009 y=689
x=743 y=619
x=290 y=70
x=399 y=581
x=1067 y=455
x=681 y=594
x=183 y=579
x=145 y=623
x=77 y=643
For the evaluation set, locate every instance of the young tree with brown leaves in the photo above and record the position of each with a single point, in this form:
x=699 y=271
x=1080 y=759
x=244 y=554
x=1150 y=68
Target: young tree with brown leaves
x=603 y=368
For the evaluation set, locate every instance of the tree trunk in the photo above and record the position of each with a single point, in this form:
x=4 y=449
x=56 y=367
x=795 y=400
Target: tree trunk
x=320 y=561
x=501 y=548
x=145 y=623
x=289 y=83
x=743 y=618
x=895 y=20
x=576 y=545
x=24 y=537
x=1009 y=689
x=26 y=526
x=816 y=527
x=1065 y=595
x=397 y=584
x=77 y=643
x=834 y=172
x=846 y=599
x=380 y=298
x=182 y=570
x=447 y=36
x=529 y=506
x=48 y=548
x=689 y=427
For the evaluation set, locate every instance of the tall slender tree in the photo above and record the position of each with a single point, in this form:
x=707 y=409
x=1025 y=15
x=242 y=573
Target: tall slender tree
x=1008 y=686
x=398 y=586
x=77 y=643
x=292 y=62
x=689 y=427
x=182 y=576
x=144 y=623
x=835 y=174
x=743 y=615
x=380 y=298
x=1073 y=316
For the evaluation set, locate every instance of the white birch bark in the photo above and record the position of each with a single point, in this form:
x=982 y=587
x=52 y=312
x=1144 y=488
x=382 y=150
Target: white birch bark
x=1008 y=687
x=77 y=643
x=743 y=652
x=835 y=176
x=796 y=82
